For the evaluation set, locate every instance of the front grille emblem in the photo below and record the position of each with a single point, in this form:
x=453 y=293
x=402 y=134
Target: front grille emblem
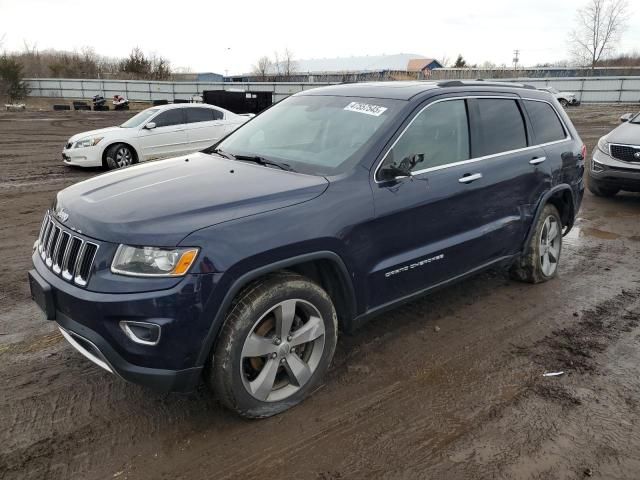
x=637 y=155
x=62 y=215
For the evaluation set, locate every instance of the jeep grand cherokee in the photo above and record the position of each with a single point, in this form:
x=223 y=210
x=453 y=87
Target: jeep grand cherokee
x=240 y=264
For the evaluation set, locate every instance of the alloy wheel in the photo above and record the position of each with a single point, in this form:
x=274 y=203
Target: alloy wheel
x=124 y=157
x=550 y=245
x=282 y=350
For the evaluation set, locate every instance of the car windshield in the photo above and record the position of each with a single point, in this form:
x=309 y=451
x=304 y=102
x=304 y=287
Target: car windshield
x=321 y=135
x=140 y=118
x=552 y=90
x=635 y=119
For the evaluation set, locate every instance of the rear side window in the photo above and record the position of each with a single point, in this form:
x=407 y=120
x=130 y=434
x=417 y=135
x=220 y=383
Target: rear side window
x=546 y=124
x=170 y=117
x=439 y=135
x=195 y=115
x=501 y=125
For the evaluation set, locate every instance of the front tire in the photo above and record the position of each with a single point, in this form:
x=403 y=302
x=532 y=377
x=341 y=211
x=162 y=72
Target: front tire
x=540 y=261
x=275 y=346
x=119 y=155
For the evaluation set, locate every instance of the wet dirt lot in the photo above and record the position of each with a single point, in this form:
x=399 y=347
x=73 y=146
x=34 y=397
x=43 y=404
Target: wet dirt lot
x=446 y=387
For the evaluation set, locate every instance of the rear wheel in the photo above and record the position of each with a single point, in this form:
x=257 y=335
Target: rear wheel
x=119 y=155
x=564 y=102
x=275 y=346
x=540 y=260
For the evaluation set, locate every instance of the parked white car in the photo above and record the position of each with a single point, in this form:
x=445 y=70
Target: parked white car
x=157 y=132
x=565 y=98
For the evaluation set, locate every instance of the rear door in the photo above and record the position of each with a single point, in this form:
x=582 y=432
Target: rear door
x=552 y=134
x=461 y=209
x=503 y=132
x=205 y=126
x=168 y=138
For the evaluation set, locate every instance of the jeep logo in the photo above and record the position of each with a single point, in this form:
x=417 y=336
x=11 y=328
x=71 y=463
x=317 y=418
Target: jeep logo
x=62 y=215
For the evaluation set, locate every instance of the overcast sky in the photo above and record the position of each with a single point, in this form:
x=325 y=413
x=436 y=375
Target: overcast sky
x=230 y=35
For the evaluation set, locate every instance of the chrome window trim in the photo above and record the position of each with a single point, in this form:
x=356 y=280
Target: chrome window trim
x=476 y=159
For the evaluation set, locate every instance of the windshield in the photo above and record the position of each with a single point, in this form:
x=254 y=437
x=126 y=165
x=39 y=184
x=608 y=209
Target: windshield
x=140 y=118
x=313 y=134
x=635 y=119
x=552 y=90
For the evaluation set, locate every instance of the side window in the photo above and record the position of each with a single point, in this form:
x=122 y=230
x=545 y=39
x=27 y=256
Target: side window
x=170 y=117
x=501 y=125
x=217 y=114
x=195 y=115
x=439 y=135
x=546 y=124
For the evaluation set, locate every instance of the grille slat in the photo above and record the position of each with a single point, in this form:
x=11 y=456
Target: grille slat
x=66 y=254
x=61 y=250
x=626 y=153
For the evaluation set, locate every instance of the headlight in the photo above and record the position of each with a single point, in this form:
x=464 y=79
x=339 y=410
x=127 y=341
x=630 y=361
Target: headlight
x=87 y=142
x=603 y=146
x=153 y=261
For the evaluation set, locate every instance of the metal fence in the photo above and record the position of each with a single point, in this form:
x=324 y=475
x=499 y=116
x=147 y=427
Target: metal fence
x=587 y=89
x=146 y=91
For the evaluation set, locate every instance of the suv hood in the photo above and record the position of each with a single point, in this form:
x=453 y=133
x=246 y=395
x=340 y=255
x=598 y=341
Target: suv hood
x=626 y=133
x=93 y=133
x=159 y=203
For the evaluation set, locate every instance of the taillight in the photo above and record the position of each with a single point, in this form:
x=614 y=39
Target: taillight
x=583 y=152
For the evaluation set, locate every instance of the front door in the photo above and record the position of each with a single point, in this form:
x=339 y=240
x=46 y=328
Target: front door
x=456 y=212
x=168 y=138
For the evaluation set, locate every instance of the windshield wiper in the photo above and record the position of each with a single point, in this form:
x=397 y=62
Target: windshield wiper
x=263 y=161
x=219 y=152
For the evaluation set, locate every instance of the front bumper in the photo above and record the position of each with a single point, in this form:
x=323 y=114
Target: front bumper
x=83 y=157
x=611 y=171
x=90 y=322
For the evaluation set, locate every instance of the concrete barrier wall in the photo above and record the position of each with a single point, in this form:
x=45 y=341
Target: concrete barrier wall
x=587 y=89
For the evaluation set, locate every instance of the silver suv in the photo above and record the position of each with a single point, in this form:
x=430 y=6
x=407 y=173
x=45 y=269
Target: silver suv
x=616 y=160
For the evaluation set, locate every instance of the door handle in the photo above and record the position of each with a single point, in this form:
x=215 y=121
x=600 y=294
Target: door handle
x=536 y=161
x=470 y=178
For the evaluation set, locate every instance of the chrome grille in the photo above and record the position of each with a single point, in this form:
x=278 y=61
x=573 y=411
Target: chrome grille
x=626 y=153
x=65 y=253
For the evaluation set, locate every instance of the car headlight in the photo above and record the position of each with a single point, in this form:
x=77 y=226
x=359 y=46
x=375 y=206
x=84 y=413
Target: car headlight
x=87 y=142
x=153 y=261
x=603 y=146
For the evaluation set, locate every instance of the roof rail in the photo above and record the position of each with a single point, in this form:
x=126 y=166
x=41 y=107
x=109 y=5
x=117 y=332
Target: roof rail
x=462 y=83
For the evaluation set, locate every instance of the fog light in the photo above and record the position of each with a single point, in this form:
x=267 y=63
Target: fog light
x=596 y=167
x=144 y=333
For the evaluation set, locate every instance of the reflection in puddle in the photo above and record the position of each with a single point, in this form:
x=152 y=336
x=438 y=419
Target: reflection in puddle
x=579 y=232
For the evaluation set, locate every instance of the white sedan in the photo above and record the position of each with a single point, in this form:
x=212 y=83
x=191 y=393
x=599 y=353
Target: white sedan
x=157 y=132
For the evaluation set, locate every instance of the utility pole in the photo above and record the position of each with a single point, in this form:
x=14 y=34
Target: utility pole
x=516 y=59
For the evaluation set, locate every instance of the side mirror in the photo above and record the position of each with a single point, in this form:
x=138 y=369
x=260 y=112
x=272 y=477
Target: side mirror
x=150 y=125
x=401 y=170
x=626 y=117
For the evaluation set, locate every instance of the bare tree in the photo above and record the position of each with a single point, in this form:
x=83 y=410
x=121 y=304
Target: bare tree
x=262 y=68
x=599 y=25
x=289 y=65
x=444 y=61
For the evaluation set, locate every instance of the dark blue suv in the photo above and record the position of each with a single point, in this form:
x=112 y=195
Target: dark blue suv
x=239 y=264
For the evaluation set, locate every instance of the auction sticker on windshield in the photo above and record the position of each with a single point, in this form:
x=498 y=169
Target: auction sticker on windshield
x=366 y=108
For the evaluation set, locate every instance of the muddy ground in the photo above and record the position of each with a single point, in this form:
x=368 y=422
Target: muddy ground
x=403 y=399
